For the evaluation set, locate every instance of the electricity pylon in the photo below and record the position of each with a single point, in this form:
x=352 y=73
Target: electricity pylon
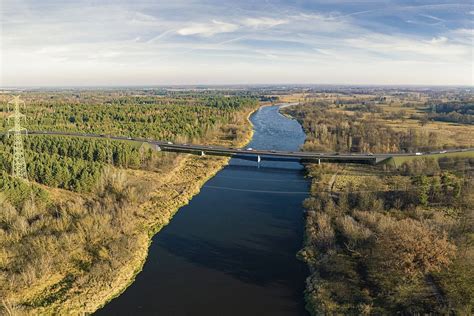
x=18 y=164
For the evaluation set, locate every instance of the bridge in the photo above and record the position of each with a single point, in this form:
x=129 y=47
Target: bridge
x=254 y=154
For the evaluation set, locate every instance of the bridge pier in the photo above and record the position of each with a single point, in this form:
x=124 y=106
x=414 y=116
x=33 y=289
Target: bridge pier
x=319 y=161
x=157 y=148
x=202 y=153
x=258 y=158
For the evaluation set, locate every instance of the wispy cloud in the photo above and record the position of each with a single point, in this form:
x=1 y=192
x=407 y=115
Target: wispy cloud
x=208 y=29
x=438 y=48
x=263 y=22
x=324 y=41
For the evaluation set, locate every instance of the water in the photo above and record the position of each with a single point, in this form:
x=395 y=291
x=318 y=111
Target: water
x=231 y=251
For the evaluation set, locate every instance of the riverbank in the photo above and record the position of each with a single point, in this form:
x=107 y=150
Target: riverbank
x=191 y=174
x=179 y=186
x=369 y=229
x=129 y=207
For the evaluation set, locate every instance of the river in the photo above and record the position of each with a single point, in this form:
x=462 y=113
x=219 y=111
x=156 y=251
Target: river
x=232 y=249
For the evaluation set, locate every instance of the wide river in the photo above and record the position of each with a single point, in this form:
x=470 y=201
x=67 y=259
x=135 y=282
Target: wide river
x=232 y=249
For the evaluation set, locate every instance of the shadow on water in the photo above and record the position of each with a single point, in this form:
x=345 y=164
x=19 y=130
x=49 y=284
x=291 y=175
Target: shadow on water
x=270 y=169
x=232 y=258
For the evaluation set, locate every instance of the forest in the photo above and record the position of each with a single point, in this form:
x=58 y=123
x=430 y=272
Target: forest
x=458 y=112
x=161 y=117
x=76 y=163
x=387 y=239
x=73 y=163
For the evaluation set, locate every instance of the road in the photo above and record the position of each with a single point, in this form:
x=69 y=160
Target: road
x=251 y=152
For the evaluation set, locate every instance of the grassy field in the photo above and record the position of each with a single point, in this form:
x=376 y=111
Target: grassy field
x=399 y=160
x=449 y=135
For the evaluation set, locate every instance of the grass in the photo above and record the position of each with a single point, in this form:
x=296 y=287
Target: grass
x=398 y=160
x=448 y=134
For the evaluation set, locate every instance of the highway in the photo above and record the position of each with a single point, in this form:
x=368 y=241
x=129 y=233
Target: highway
x=256 y=154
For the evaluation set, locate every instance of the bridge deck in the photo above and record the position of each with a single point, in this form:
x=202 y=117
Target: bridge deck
x=248 y=152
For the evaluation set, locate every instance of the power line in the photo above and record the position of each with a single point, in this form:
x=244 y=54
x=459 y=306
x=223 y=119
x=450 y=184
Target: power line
x=18 y=163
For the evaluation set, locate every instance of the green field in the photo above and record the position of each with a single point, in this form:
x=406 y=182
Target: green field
x=398 y=160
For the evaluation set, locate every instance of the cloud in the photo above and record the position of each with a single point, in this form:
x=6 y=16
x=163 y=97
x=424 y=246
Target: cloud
x=263 y=22
x=208 y=29
x=432 y=17
x=462 y=36
x=438 y=40
x=404 y=48
x=463 y=32
x=324 y=52
x=47 y=42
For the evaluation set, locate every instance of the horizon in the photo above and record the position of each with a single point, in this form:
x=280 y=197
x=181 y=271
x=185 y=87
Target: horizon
x=207 y=42
x=239 y=85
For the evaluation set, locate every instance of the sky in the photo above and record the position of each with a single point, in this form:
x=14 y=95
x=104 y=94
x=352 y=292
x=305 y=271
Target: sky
x=177 y=42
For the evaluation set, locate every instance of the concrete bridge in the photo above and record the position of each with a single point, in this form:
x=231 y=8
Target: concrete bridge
x=251 y=153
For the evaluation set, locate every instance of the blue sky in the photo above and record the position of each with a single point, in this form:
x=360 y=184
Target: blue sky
x=149 y=42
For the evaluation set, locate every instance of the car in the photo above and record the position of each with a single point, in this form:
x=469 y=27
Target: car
x=273 y=151
x=370 y=154
x=239 y=149
x=129 y=138
x=418 y=154
x=250 y=149
x=443 y=151
x=169 y=143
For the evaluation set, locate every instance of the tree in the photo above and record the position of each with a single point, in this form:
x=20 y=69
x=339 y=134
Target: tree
x=408 y=248
x=422 y=188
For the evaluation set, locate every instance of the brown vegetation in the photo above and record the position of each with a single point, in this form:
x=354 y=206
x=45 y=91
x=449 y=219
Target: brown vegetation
x=382 y=240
